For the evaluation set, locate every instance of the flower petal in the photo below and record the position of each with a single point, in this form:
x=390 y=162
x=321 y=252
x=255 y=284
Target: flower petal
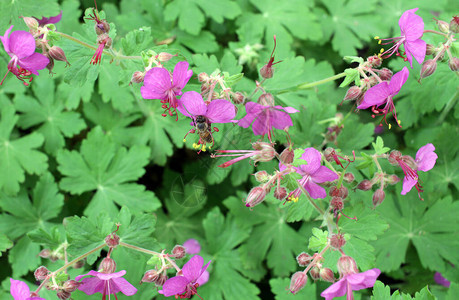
x=313 y=157
x=92 y=285
x=324 y=174
x=51 y=20
x=426 y=157
x=337 y=289
x=19 y=289
x=192 y=105
x=417 y=49
x=22 y=44
x=287 y=109
x=203 y=278
x=5 y=39
x=408 y=184
x=398 y=80
x=220 y=111
x=35 y=62
x=263 y=122
x=375 y=96
x=192 y=246
x=411 y=25
x=315 y=190
x=280 y=119
x=181 y=75
x=174 y=286
x=157 y=82
x=121 y=285
x=252 y=111
x=105 y=276
x=363 y=280
x=193 y=268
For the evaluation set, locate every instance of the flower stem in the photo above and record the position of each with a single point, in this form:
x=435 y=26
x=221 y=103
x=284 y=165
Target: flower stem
x=319 y=210
x=139 y=249
x=318 y=257
x=305 y=86
x=436 y=32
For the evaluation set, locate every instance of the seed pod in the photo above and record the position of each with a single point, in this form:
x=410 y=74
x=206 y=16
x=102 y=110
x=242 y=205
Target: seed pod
x=280 y=193
x=150 y=276
x=58 y=54
x=378 y=197
x=326 y=274
x=337 y=241
x=41 y=273
x=112 y=240
x=365 y=185
x=298 y=282
x=303 y=259
x=255 y=197
x=453 y=64
x=428 y=68
x=70 y=286
x=102 y=27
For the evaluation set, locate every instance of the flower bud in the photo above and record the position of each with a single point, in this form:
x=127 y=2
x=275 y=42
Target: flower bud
x=287 y=156
x=112 y=240
x=104 y=39
x=453 y=64
x=179 y=251
x=365 y=185
x=280 y=193
x=337 y=203
x=394 y=157
x=409 y=161
x=238 y=98
x=454 y=24
x=353 y=93
x=79 y=264
x=339 y=192
x=164 y=56
x=102 y=27
x=375 y=61
x=442 y=26
x=50 y=65
x=430 y=49
x=326 y=274
x=255 y=197
x=349 y=177
x=267 y=71
x=150 y=276
x=58 y=54
x=45 y=253
x=62 y=295
x=261 y=176
x=315 y=273
x=378 y=197
x=428 y=68
x=161 y=279
x=347 y=265
x=303 y=259
x=385 y=74
x=392 y=179
x=329 y=154
x=266 y=99
x=203 y=77
x=31 y=23
x=265 y=152
x=298 y=282
x=70 y=285
x=107 y=266
x=138 y=77
x=41 y=273
x=337 y=241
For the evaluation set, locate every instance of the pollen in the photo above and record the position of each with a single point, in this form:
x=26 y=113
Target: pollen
x=184 y=140
x=381 y=51
x=203 y=148
x=196 y=146
x=376 y=37
x=399 y=121
x=390 y=126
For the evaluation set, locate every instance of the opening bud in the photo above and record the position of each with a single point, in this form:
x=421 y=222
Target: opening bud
x=378 y=197
x=454 y=24
x=50 y=65
x=298 y=282
x=349 y=177
x=150 y=276
x=385 y=74
x=165 y=57
x=394 y=156
x=138 y=77
x=303 y=259
x=62 y=295
x=453 y=64
x=353 y=93
x=280 y=193
x=31 y=23
x=315 y=273
x=70 y=285
x=442 y=26
x=337 y=203
x=255 y=197
x=41 y=273
x=112 y=240
x=238 y=98
x=365 y=185
x=326 y=274
x=347 y=265
x=179 y=251
x=203 y=77
x=339 y=192
x=45 y=253
x=428 y=68
x=58 y=54
x=107 y=266
x=375 y=61
x=337 y=241
x=266 y=99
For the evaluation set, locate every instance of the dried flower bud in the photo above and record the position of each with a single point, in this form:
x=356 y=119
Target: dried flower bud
x=329 y=153
x=303 y=259
x=266 y=99
x=267 y=71
x=298 y=282
x=165 y=57
x=353 y=93
x=385 y=74
x=392 y=179
x=58 y=54
x=375 y=61
x=430 y=49
x=428 y=68
x=150 y=276
x=238 y=98
x=79 y=264
x=454 y=24
x=102 y=27
x=112 y=240
x=70 y=285
x=62 y=295
x=453 y=64
x=138 y=77
x=349 y=177
x=326 y=274
x=442 y=26
x=394 y=157
x=179 y=251
x=161 y=279
x=378 y=197
x=337 y=241
x=347 y=265
x=280 y=193
x=255 y=197
x=337 y=203
x=45 y=253
x=203 y=77
x=261 y=176
x=365 y=185
x=265 y=152
x=287 y=156
x=107 y=266
x=315 y=273
x=339 y=192
x=41 y=273
x=31 y=23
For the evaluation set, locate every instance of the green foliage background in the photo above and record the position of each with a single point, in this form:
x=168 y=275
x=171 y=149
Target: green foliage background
x=83 y=143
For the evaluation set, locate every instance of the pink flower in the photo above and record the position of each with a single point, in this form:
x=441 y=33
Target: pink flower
x=351 y=282
x=412 y=29
x=264 y=118
x=20 y=291
x=194 y=275
x=383 y=93
x=105 y=284
x=439 y=279
x=313 y=172
x=51 y=20
x=20 y=46
x=158 y=84
x=192 y=246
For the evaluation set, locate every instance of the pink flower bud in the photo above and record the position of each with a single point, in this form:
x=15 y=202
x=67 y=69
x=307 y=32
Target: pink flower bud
x=287 y=156
x=303 y=259
x=315 y=273
x=41 y=273
x=45 y=253
x=150 y=276
x=261 y=176
x=428 y=68
x=280 y=193
x=365 y=185
x=203 y=77
x=385 y=74
x=375 y=61
x=394 y=156
x=79 y=264
x=326 y=274
x=238 y=98
x=62 y=295
x=347 y=265
x=298 y=282
x=329 y=154
x=442 y=26
x=31 y=23
x=349 y=177
x=112 y=240
x=255 y=197
x=337 y=203
x=453 y=64
x=392 y=179
x=266 y=99
x=161 y=279
x=70 y=286
x=58 y=54
x=454 y=24
x=342 y=192
x=353 y=93
x=179 y=251
x=267 y=71
x=107 y=266
x=138 y=77
x=430 y=49
x=337 y=241
x=378 y=197
x=164 y=56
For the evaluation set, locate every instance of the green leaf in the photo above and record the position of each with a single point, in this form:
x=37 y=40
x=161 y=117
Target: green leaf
x=11 y=11
x=351 y=59
x=18 y=156
x=379 y=146
x=5 y=243
x=319 y=239
x=23 y=257
x=137 y=41
x=352 y=75
x=355 y=136
x=136 y=230
x=109 y=169
x=110 y=89
x=51 y=240
x=279 y=288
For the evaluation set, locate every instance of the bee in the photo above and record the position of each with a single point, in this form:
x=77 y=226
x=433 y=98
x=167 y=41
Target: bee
x=204 y=130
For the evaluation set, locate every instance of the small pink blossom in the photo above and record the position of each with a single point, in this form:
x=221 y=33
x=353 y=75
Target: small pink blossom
x=312 y=173
x=412 y=29
x=192 y=246
x=383 y=93
x=51 y=20
x=20 y=46
x=105 y=283
x=351 y=282
x=264 y=118
x=20 y=291
x=439 y=279
x=194 y=275
x=158 y=84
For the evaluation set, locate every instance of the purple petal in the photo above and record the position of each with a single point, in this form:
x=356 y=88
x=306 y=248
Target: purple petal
x=193 y=268
x=181 y=74
x=263 y=122
x=192 y=246
x=324 y=174
x=50 y=20
x=426 y=157
x=411 y=25
x=439 y=279
x=174 y=286
x=92 y=285
x=337 y=289
x=408 y=184
x=35 y=62
x=220 y=111
x=398 y=80
x=375 y=96
x=191 y=104
x=18 y=289
x=203 y=278
x=315 y=190
x=105 y=276
x=313 y=157
x=280 y=119
x=288 y=109
x=22 y=44
x=157 y=82
x=417 y=49
x=252 y=111
x=363 y=280
x=121 y=285
x=5 y=39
